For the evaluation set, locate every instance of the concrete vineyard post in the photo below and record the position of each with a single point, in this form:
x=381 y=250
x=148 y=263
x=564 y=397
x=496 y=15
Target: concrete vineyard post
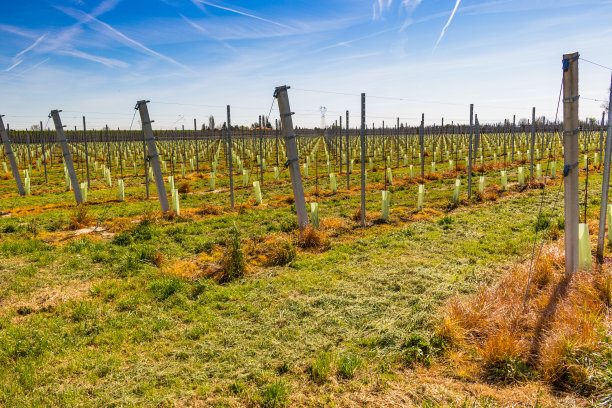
x=532 y=149
x=605 y=185
x=470 y=152
x=86 y=151
x=61 y=138
x=229 y=152
x=571 y=168
x=44 y=154
x=422 y=142
x=11 y=156
x=153 y=155
x=363 y=148
x=292 y=155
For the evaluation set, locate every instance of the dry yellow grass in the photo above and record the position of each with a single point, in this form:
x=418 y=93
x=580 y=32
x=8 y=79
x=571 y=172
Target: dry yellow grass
x=560 y=335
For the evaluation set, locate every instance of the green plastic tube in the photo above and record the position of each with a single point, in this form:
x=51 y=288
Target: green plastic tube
x=521 y=176
x=433 y=166
x=121 y=195
x=481 y=184
x=171 y=182
x=305 y=170
x=389 y=176
x=553 y=169
x=332 y=183
x=276 y=173
x=584 y=247
x=538 y=172
x=610 y=223
x=314 y=214
x=457 y=191
x=213 y=181
x=386 y=196
x=245 y=178
x=504 y=180
x=420 y=197
x=257 y=190
x=451 y=165
x=411 y=171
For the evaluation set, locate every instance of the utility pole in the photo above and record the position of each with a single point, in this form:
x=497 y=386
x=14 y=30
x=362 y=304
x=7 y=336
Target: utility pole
x=153 y=156
x=229 y=152
x=293 y=160
x=61 y=138
x=571 y=134
x=605 y=185
x=9 y=152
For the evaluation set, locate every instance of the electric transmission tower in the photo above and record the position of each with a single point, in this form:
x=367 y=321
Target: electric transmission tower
x=323 y=110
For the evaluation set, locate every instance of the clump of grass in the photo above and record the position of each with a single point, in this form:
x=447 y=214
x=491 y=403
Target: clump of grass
x=184 y=187
x=417 y=349
x=274 y=395
x=165 y=287
x=279 y=252
x=347 y=365
x=312 y=238
x=80 y=218
x=543 y=222
x=433 y=176
x=233 y=264
x=320 y=369
x=446 y=221
x=558 y=335
x=209 y=209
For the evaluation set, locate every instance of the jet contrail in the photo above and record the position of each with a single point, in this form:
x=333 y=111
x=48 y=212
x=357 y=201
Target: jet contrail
x=31 y=46
x=242 y=13
x=13 y=66
x=125 y=38
x=447 y=24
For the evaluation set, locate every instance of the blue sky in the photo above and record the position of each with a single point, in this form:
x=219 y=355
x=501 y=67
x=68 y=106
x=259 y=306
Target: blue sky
x=192 y=57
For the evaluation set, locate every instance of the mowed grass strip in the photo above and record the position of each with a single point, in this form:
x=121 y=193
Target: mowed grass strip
x=140 y=336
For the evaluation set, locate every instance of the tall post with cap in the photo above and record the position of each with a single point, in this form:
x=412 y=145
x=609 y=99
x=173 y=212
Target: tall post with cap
x=571 y=134
x=293 y=160
x=11 y=156
x=61 y=138
x=153 y=157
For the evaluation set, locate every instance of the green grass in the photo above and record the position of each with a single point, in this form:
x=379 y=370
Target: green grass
x=135 y=335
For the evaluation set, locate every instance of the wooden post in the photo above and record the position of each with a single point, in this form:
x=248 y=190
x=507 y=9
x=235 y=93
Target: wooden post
x=470 y=151
x=293 y=160
x=571 y=133
x=153 y=156
x=229 y=152
x=363 y=147
x=513 y=137
x=61 y=138
x=533 y=131
x=11 y=156
x=604 y=186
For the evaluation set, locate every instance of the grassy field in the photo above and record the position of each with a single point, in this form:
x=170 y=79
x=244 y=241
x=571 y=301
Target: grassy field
x=126 y=314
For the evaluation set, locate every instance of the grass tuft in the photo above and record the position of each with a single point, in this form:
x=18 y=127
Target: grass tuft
x=80 y=218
